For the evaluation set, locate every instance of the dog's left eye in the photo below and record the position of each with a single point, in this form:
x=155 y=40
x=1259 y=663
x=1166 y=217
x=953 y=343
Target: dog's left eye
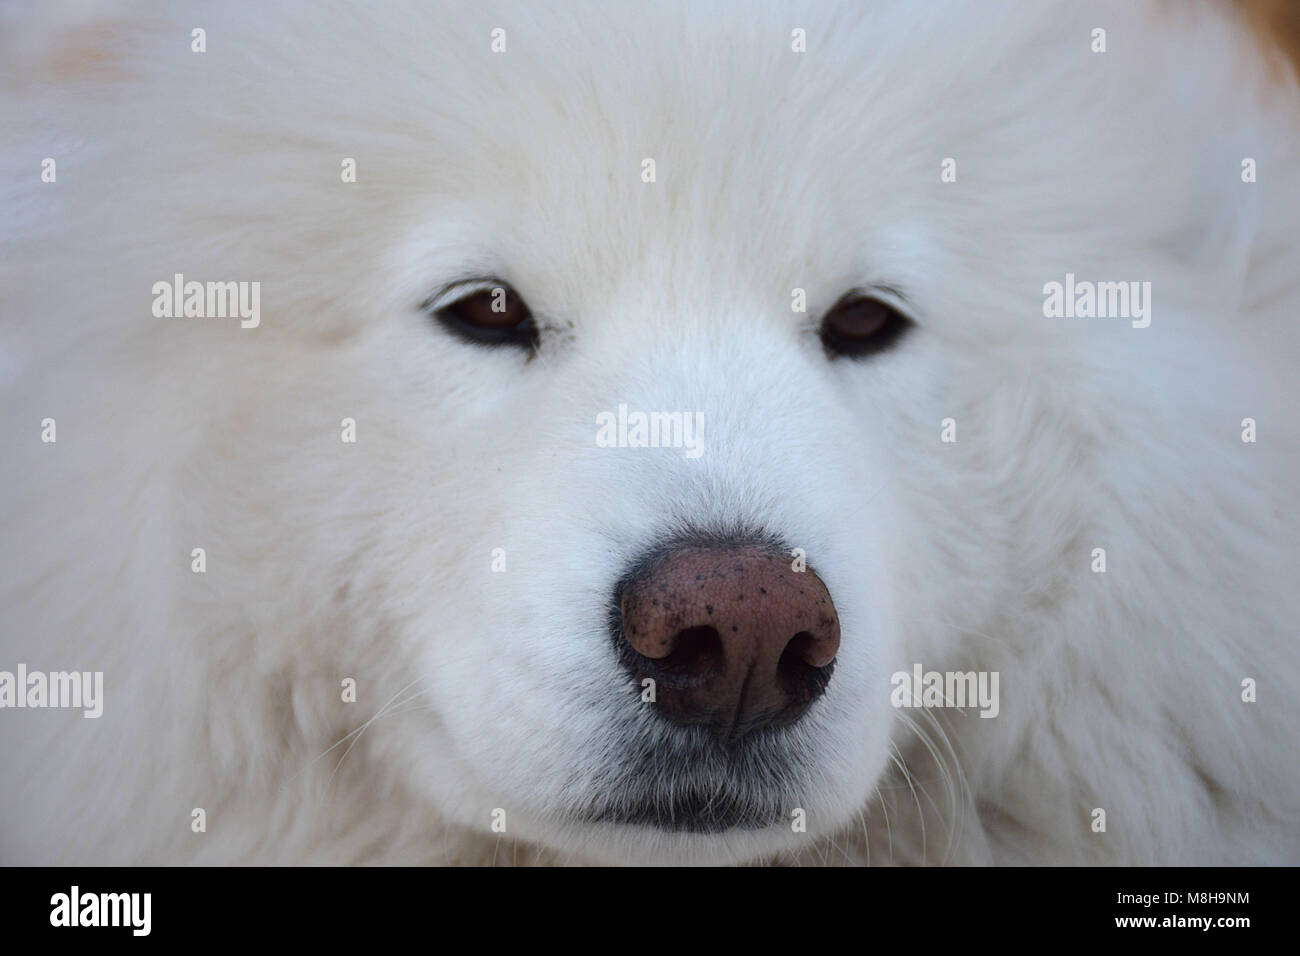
x=495 y=315
x=860 y=325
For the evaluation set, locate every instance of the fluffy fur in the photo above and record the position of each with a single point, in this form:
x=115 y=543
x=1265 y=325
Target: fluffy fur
x=775 y=170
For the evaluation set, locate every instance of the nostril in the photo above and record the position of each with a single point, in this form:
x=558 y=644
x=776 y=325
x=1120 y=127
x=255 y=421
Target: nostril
x=697 y=653
x=812 y=649
x=804 y=670
x=795 y=655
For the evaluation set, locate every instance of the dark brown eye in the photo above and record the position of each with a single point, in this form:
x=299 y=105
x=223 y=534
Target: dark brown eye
x=860 y=325
x=494 y=315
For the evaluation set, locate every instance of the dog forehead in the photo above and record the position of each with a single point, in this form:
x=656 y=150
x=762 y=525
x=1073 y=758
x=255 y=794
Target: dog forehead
x=704 y=148
x=704 y=175
x=711 y=139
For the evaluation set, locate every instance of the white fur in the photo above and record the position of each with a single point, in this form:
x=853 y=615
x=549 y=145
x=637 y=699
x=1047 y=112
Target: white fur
x=775 y=170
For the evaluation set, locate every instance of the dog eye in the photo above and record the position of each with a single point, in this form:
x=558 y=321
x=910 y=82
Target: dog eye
x=861 y=325
x=495 y=315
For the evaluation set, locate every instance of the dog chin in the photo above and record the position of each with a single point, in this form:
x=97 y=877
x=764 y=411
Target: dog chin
x=622 y=844
x=697 y=810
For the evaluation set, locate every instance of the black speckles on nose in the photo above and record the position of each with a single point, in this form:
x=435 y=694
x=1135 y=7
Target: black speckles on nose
x=720 y=660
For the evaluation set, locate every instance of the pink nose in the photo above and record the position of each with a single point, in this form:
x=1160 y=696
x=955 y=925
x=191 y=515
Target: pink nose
x=734 y=638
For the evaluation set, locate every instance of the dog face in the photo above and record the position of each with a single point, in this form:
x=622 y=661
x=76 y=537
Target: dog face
x=781 y=273
x=649 y=300
x=614 y=217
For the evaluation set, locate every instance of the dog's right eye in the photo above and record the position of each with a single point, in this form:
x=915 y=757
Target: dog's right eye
x=861 y=325
x=494 y=315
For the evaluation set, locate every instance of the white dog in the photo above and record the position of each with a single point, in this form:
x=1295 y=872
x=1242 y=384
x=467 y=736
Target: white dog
x=393 y=398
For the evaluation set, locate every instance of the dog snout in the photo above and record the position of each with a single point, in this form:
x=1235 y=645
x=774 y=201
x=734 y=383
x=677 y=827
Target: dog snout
x=734 y=637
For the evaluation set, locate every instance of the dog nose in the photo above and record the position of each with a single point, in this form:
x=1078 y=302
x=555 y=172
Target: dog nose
x=734 y=638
